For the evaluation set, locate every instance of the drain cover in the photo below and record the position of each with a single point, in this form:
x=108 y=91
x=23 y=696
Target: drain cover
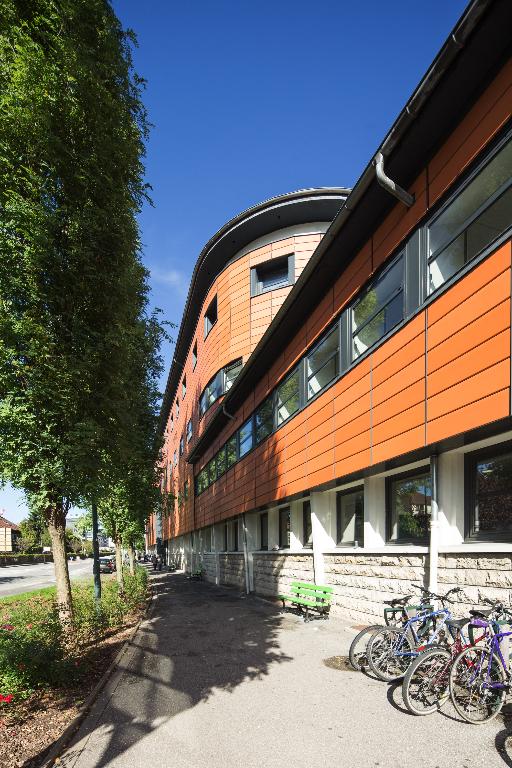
x=339 y=662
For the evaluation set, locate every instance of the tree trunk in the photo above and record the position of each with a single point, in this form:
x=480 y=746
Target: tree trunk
x=119 y=563
x=96 y=554
x=56 y=520
x=131 y=555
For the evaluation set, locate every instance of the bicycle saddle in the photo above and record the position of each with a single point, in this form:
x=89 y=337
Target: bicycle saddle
x=456 y=623
x=398 y=601
x=485 y=612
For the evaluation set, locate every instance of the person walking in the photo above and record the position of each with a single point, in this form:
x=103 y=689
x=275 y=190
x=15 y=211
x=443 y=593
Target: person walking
x=154 y=560
x=159 y=562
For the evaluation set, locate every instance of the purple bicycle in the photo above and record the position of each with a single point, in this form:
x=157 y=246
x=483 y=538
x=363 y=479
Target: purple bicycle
x=480 y=677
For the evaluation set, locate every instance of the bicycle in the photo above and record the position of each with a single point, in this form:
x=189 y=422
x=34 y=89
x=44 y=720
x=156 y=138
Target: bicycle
x=480 y=677
x=391 y=650
x=425 y=688
x=398 y=613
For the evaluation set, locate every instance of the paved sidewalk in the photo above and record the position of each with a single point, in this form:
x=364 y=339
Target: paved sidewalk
x=216 y=680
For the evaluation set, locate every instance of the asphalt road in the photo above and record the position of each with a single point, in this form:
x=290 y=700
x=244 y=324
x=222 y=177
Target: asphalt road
x=23 y=578
x=214 y=680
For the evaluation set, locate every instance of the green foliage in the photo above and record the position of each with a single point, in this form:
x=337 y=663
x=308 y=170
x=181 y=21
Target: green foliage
x=33 y=654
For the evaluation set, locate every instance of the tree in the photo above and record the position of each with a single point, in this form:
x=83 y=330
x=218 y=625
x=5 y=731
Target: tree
x=83 y=524
x=72 y=132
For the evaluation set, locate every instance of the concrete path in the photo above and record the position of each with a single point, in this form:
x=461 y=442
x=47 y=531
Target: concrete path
x=15 y=579
x=216 y=680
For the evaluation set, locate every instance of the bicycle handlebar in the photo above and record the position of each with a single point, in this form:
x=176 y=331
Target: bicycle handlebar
x=442 y=598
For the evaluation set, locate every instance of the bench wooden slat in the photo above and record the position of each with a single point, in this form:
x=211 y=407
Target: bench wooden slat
x=314 y=596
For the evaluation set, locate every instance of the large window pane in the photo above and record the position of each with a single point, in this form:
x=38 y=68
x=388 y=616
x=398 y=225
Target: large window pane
x=284 y=528
x=378 y=310
x=245 y=437
x=264 y=530
x=473 y=220
x=221 y=461
x=212 y=471
x=307 y=529
x=350 y=517
x=492 y=503
x=322 y=363
x=231 y=374
x=410 y=502
x=288 y=401
x=264 y=420
x=231 y=451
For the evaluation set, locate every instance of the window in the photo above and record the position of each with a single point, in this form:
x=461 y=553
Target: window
x=288 y=398
x=284 y=528
x=177 y=408
x=189 y=430
x=183 y=387
x=185 y=490
x=349 y=517
x=172 y=423
x=182 y=445
x=220 y=460
x=231 y=372
x=409 y=501
x=489 y=494
x=379 y=309
x=264 y=530
x=211 y=469
x=264 y=420
x=231 y=451
x=235 y=536
x=219 y=385
x=474 y=219
x=245 y=438
x=225 y=537
x=210 y=316
x=273 y=274
x=322 y=363
x=307 y=529
x=202 y=481
x=194 y=356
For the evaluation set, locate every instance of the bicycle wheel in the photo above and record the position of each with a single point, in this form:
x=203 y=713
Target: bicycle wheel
x=389 y=653
x=426 y=683
x=472 y=674
x=357 y=652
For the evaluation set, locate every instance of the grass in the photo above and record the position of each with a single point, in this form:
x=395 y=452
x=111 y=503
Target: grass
x=24 y=596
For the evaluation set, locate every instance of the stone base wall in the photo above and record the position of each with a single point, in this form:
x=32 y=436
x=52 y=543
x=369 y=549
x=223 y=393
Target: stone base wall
x=362 y=582
x=209 y=562
x=232 y=569
x=479 y=575
x=273 y=573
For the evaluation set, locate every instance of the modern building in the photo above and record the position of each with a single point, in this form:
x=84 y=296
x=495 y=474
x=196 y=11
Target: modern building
x=339 y=404
x=9 y=534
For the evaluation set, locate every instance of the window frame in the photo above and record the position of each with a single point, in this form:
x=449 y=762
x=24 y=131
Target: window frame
x=263 y=517
x=390 y=479
x=194 y=356
x=306 y=509
x=209 y=324
x=400 y=255
x=190 y=430
x=285 y=510
x=182 y=445
x=335 y=331
x=219 y=379
x=471 y=459
x=183 y=387
x=288 y=261
x=299 y=370
x=461 y=185
x=339 y=496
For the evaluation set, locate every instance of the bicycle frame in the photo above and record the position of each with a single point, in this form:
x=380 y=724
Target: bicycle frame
x=494 y=650
x=443 y=614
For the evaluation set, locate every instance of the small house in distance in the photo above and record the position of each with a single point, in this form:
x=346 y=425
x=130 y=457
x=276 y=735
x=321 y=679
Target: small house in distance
x=9 y=535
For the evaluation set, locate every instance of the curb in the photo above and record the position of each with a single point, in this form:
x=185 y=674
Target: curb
x=62 y=742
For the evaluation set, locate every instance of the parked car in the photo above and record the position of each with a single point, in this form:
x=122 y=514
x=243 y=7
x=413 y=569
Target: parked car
x=107 y=565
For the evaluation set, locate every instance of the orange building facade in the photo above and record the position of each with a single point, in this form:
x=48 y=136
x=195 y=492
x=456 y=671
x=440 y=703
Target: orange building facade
x=339 y=405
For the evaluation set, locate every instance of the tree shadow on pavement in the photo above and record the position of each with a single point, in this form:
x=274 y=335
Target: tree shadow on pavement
x=503 y=740
x=198 y=639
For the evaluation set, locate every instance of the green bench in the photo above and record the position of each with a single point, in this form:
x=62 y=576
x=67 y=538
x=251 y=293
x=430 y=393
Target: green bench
x=307 y=596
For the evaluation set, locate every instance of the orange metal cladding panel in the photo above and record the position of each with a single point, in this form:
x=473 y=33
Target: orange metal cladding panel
x=481 y=123
x=469 y=350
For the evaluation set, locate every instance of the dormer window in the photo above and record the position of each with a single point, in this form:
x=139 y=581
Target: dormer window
x=273 y=274
x=177 y=408
x=194 y=356
x=183 y=388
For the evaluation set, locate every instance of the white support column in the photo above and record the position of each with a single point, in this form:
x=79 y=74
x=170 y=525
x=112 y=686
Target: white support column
x=434 y=525
x=320 y=527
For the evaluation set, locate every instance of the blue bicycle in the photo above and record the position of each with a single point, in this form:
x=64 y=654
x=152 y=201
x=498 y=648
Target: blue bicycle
x=392 y=649
x=480 y=677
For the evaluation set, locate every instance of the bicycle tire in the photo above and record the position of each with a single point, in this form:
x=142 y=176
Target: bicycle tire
x=382 y=659
x=469 y=670
x=358 y=647
x=426 y=684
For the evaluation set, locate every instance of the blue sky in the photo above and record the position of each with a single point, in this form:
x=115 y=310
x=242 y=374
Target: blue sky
x=251 y=100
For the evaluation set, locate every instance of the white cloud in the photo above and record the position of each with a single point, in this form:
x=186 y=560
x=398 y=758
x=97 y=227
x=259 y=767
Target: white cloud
x=171 y=277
